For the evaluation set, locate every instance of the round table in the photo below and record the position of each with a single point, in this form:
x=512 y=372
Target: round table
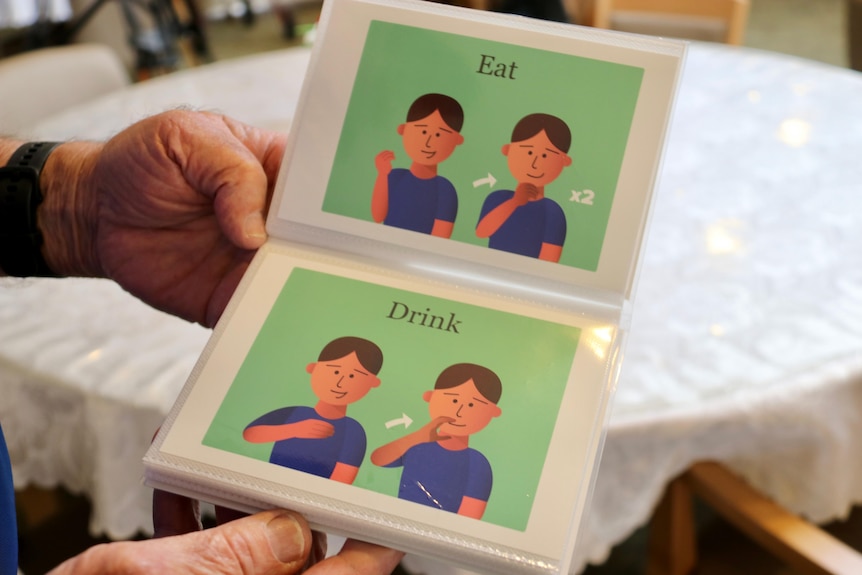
x=744 y=344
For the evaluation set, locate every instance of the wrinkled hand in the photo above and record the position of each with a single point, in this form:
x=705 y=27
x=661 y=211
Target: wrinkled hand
x=267 y=543
x=293 y=547
x=274 y=542
x=172 y=209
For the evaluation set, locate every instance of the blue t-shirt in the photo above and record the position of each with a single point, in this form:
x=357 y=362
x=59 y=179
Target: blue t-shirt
x=441 y=478
x=415 y=203
x=315 y=456
x=8 y=525
x=531 y=225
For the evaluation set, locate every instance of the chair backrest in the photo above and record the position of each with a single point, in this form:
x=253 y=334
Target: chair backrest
x=712 y=20
x=37 y=84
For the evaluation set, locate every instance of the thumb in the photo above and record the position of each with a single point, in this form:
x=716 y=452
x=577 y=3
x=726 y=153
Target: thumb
x=268 y=543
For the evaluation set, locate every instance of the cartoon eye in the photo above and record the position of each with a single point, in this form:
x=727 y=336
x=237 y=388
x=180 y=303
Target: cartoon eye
x=424 y=132
x=454 y=401
x=544 y=155
x=437 y=134
x=337 y=372
x=530 y=153
x=350 y=376
x=470 y=404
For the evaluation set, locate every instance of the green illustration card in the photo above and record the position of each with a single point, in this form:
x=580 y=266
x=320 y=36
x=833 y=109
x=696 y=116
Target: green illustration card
x=333 y=383
x=423 y=353
x=417 y=337
x=485 y=90
x=456 y=137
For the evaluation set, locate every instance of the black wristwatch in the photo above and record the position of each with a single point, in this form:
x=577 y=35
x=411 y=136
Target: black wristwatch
x=20 y=196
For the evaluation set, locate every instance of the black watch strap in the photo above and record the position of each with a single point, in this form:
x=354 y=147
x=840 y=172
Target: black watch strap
x=20 y=196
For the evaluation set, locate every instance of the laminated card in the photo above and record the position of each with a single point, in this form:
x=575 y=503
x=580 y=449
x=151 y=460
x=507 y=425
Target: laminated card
x=423 y=353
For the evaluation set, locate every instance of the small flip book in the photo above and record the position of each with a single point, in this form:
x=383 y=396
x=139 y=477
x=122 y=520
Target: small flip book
x=423 y=353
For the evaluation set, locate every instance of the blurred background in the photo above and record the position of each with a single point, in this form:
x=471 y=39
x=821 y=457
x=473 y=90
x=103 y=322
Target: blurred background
x=148 y=38
x=156 y=36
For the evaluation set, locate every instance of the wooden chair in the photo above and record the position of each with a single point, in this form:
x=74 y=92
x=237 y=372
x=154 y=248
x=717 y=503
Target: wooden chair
x=710 y=20
x=805 y=547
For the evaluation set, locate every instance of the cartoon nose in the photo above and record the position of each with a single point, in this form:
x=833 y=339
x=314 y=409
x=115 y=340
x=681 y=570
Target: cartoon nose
x=458 y=413
x=535 y=161
x=338 y=383
x=428 y=142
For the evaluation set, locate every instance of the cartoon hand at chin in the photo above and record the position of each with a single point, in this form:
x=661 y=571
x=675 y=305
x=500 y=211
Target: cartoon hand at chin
x=524 y=193
x=432 y=429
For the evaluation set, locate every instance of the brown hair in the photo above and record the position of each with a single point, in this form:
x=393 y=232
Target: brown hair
x=487 y=382
x=449 y=108
x=556 y=129
x=369 y=355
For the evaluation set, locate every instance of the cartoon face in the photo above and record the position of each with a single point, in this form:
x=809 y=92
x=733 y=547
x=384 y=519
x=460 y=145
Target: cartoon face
x=430 y=140
x=341 y=381
x=468 y=409
x=535 y=160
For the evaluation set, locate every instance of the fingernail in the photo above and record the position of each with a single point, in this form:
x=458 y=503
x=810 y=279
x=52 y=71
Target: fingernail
x=255 y=226
x=286 y=538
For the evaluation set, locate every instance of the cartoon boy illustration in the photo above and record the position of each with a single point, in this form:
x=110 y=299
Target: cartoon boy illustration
x=524 y=221
x=439 y=468
x=418 y=198
x=322 y=440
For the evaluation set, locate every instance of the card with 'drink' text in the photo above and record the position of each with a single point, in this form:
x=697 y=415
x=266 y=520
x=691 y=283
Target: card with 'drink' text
x=423 y=353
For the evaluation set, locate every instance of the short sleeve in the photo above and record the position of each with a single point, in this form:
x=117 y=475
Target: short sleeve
x=493 y=200
x=277 y=417
x=555 y=224
x=447 y=201
x=480 y=477
x=353 y=448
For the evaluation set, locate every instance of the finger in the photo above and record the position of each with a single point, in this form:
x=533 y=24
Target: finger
x=240 y=200
x=359 y=558
x=269 y=543
x=440 y=420
x=267 y=148
x=233 y=164
x=174 y=514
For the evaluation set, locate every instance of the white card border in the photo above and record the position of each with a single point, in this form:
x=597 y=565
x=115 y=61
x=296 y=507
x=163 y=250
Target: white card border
x=565 y=478
x=326 y=95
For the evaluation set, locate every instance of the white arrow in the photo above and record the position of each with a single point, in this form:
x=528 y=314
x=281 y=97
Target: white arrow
x=490 y=180
x=403 y=420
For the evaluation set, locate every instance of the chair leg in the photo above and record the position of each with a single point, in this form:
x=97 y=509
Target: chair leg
x=801 y=545
x=287 y=17
x=193 y=25
x=672 y=547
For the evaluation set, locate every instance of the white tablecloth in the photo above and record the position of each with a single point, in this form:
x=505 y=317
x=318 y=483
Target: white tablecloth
x=745 y=341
